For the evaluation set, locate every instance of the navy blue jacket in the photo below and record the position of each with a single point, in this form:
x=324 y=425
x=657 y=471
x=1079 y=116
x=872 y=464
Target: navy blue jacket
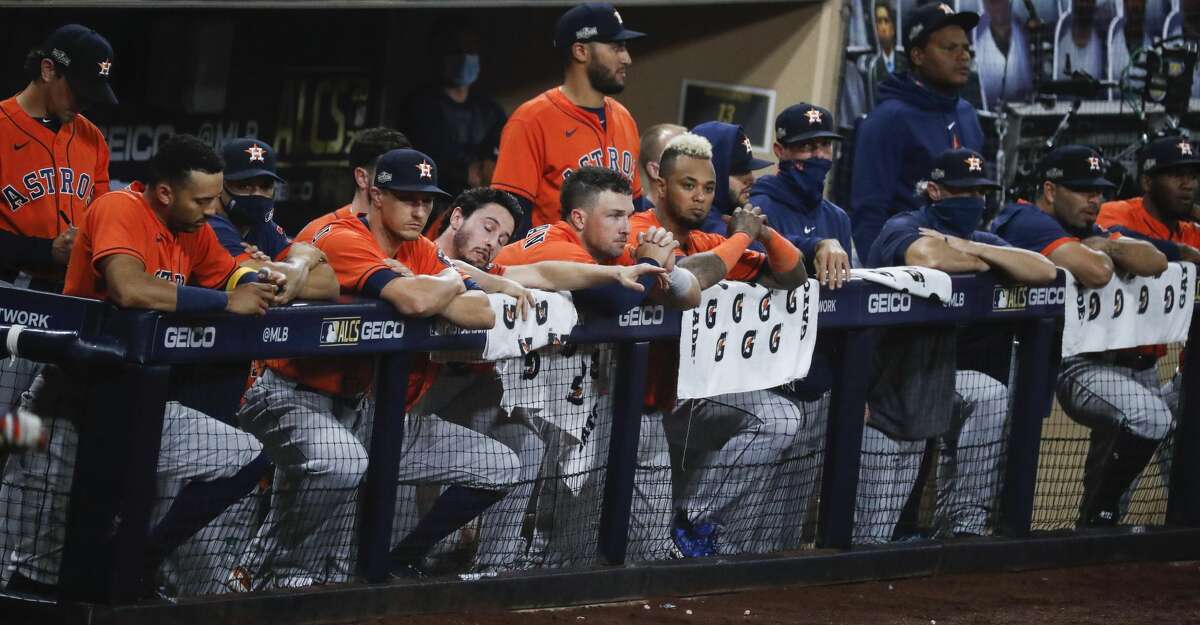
x=895 y=147
x=721 y=136
x=804 y=226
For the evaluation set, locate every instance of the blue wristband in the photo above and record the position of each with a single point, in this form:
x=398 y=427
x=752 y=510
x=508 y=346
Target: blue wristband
x=191 y=299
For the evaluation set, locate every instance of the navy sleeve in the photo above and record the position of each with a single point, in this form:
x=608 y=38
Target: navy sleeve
x=893 y=241
x=642 y=203
x=1169 y=248
x=990 y=239
x=378 y=280
x=1030 y=229
x=878 y=169
x=269 y=238
x=614 y=299
x=22 y=251
x=227 y=236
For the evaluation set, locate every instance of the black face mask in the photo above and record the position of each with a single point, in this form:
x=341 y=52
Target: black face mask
x=248 y=210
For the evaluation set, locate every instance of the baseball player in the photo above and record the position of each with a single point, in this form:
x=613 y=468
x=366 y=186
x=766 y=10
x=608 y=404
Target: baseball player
x=479 y=223
x=944 y=235
x=1115 y=394
x=722 y=449
x=654 y=141
x=144 y=247
x=306 y=411
x=576 y=124
x=919 y=115
x=793 y=202
x=735 y=164
x=369 y=145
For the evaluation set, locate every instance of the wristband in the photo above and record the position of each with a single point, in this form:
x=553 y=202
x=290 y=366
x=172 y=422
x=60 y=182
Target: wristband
x=191 y=299
x=238 y=275
x=680 y=281
x=731 y=250
x=782 y=256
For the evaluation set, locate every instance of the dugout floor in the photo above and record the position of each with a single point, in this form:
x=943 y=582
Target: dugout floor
x=1118 y=594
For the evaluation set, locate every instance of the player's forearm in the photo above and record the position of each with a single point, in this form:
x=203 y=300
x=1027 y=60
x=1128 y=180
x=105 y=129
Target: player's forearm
x=471 y=310
x=420 y=296
x=935 y=253
x=1137 y=257
x=322 y=283
x=555 y=275
x=1021 y=265
x=708 y=268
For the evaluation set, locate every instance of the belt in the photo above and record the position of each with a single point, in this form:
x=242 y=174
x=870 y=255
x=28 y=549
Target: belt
x=1127 y=358
x=22 y=280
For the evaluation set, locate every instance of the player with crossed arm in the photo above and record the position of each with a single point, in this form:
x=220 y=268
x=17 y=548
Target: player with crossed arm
x=945 y=235
x=722 y=449
x=1115 y=394
x=306 y=411
x=144 y=247
x=478 y=224
x=576 y=124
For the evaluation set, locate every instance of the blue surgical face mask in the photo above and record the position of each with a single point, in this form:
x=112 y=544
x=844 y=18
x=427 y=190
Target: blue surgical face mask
x=959 y=216
x=811 y=180
x=460 y=70
x=248 y=210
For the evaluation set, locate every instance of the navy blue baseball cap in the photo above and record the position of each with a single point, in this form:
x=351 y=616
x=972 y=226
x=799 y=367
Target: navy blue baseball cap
x=926 y=19
x=407 y=170
x=1166 y=152
x=248 y=158
x=804 y=122
x=591 y=21
x=86 y=60
x=1075 y=167
x=741 y=157
x=961 y=169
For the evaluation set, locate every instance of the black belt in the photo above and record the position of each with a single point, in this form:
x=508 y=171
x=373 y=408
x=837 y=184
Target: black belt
x=1127 y=358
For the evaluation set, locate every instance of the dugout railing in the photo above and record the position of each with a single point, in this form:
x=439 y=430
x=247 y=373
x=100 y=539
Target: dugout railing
x=130 y=355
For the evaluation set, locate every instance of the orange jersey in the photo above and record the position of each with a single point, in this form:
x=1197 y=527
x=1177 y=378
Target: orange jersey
x=1132 y=214
x=553 y=242
x=355 y=258
x=312 y=227
x=124 y=223
x=43 y=173
x=698 y=241
x=548 y=137
x=664 y=358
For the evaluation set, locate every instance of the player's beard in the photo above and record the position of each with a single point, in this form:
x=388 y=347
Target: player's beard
x=604 y=79
x=462 y=245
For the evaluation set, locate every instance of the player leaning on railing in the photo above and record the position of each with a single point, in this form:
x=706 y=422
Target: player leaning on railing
x=147 y=246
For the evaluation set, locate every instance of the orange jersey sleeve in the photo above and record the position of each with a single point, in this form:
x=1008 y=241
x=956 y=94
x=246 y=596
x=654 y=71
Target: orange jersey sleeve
x=548 y=242
x=549 y=137
x=43 y=173
x=745 y=270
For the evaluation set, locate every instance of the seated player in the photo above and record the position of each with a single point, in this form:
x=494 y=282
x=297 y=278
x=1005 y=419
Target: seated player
x=147 y=246
x=722 y=449
x=306 y=411
x=479 y=222
x=944 y=234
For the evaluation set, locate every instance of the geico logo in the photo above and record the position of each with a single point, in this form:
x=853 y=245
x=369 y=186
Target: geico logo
x=643 y=316
x=182 y=337
x=1047 y=295
x=376 y=330
x=888 y=302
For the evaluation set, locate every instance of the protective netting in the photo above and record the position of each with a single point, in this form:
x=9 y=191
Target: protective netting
x=942 y=487
x=1109 y=437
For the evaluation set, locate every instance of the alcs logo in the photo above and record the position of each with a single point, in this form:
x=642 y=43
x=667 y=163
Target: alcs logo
x=189 y=338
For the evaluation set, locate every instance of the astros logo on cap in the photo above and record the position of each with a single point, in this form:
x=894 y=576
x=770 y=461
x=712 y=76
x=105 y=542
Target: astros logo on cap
x=1184 y=148
x=1094 y=163
x=256 y=153
x=105 y=65
x=618 y=16
x=974 y=163
x=426 y=169
x=946 y=9
x=813 y=115
x=746 y=142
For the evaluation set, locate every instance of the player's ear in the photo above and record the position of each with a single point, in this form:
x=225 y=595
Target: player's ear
x=578 y=218
x=1048 y=191
x=456 y=218
x=1144 y=182
x=362 y=178
x=778 y=151
x=47 y=68
x=376 y=196
x=163 y=192
x=580 y=52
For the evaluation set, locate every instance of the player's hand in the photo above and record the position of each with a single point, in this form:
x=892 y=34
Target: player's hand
x=628 y=276
x=956 y=243
x=657 y=244
x=60 y=249
x=253 y=298
x=452 y=274
x=832 y=264
x=254 y=252
x=524 y=296
x=285 y=290
x=399 y=268
x=748 y=219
